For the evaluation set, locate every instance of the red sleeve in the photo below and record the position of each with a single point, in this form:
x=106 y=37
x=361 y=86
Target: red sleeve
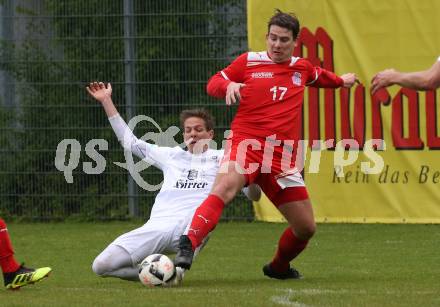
x=320 y=77
x=218 y=83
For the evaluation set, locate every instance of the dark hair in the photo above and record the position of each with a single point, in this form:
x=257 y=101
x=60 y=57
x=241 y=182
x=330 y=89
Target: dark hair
x=200 y=113
x=284 y=20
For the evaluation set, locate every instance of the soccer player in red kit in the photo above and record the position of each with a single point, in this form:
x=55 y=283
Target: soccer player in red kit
x=270 y=87
x=16 y=275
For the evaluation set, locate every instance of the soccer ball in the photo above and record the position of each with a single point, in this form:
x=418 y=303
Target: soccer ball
x=156 y=270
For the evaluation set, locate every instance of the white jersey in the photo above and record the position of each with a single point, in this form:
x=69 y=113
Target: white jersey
x=188 y=178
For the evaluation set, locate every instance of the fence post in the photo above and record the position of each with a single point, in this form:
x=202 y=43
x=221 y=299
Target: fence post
x=130 y=94
x=7 y=83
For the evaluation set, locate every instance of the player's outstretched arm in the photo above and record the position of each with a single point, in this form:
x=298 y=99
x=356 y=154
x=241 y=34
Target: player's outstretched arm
x=322 y=78
x=421 y=80
x=103 y=94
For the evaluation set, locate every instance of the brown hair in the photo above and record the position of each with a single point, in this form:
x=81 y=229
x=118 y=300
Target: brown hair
x=285 y=20
x=200 y=113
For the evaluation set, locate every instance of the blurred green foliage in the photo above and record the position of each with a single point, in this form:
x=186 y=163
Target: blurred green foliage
x=57 y=48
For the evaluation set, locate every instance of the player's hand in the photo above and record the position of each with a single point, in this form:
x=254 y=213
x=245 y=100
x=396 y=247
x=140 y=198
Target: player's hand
x=382 y=79
x=233 y=93
x=100 y=91
x=349 y=79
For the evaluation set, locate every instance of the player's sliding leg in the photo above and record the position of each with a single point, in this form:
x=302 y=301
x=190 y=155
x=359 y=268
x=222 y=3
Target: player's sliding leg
x=121 y=258
x=115 y=261
x=14 y=274
x=208 y=214
x=294 y=239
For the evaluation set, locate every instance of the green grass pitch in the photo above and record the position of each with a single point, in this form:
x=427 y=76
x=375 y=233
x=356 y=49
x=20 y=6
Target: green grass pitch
x=344 y=265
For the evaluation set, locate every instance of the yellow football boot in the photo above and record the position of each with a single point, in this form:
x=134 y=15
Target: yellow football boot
x=25 y=276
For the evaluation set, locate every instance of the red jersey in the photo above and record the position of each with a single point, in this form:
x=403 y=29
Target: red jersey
x=271 y=102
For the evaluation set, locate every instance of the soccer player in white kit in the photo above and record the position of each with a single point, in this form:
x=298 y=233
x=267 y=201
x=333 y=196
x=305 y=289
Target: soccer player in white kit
x=188 y=178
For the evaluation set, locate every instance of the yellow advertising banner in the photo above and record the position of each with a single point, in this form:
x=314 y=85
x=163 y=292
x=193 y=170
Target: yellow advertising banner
x=397 y=131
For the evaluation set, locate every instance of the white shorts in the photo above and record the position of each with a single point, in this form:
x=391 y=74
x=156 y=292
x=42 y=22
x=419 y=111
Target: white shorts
x=158 y=235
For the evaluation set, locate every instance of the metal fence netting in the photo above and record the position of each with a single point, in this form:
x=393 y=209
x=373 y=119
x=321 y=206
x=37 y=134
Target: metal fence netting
x=158 y=56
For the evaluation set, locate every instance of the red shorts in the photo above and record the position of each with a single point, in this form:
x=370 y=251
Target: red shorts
x=270 y=165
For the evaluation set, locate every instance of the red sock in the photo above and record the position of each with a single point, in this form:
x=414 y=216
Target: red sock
x=7 y=261
x=289 y=247
x=205 y=219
